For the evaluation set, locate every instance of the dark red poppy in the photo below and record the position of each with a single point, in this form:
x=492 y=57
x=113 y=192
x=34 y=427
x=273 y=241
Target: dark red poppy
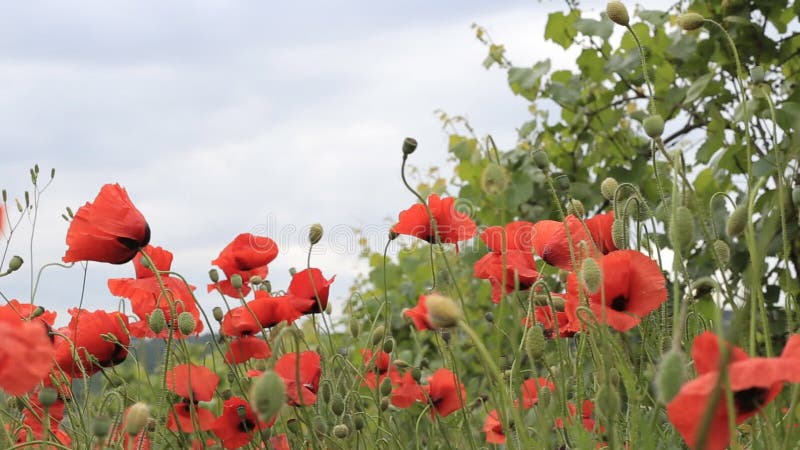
x=309 y=291
x=632 y=287
x=558 y=324
x=109 y=230
x=243 y=348
x=238 y=424
x=193 y=382
x=301 y=378
x=26 y=355
x=754 y=381
x=406 y=391
x=444 y=392
x=264 y=311
x=146 y=295
x=247 y=255
x=599 y=227
x=510 y=263
x=99 y=339
x=451 y=225
x=26 y=311
x=182 y=417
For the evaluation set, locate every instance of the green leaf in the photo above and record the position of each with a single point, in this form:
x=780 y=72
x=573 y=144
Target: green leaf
x=591 y=27
x=697 y=88
x=525 y=81
x=560 y=28
x=657 y=18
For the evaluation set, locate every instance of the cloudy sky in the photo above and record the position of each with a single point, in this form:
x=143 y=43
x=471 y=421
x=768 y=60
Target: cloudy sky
x=224 y=117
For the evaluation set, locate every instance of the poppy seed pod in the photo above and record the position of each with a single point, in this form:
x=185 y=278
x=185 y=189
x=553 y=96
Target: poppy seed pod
x=541 y=160
x=136 y=418
x=157 y=321
x=575 y=208
x=268 y=394
x=681 y=228
x=670 y=375
x=48 y=396
x=723 y=252
x=355 y=328
x=737 y=221
x=377 y=334
x=315 y=233
x=409 y=145
x=386 y=386
x=213 y=275
x=442 y=311
x=236 y=281
x=690 y=21
x=186 y=323
x=534 y=342
x=591 y=275
x=562 y=183
x=653 y=125
x=341 y=431
x=608 y=187
x=618 y=13
x=14 y=263
x=388 y=345
x=217 y=313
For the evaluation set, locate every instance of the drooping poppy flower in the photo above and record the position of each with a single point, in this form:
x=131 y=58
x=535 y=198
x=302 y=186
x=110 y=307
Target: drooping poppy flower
x=247 y=255
x=146 y=295
x=238 y=424
x=309 y=291
x=264 y=311
x=632 y=287
x=193 y=382
x=407 y=391
x=452 y=226
x=529 y=394
x=509 y=264
x=241 y=349
x=108 y=230
x=301 y=379
x=754 y=381
x=26 y=311
x=554 y=323
x=552 y=245
x=92 y=340
x=182 y=417
x=26 y=355
x=445 y=393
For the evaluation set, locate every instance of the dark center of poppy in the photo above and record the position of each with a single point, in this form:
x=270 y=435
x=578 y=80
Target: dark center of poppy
x=246 y=425
x=133 y=244
x=619 y=303
x=118 y=356
x=749 y=400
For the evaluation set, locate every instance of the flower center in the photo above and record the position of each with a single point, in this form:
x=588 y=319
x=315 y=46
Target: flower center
x=619 y=303
x=246 y=425
x=749 y=400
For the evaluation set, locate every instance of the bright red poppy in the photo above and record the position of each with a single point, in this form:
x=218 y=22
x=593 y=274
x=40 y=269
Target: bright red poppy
x=444 y=392
x=379 y=366
x=26 y=311
x=110 y=229
x=587 y=416
x=309 y=291
x=99 y=339
x=510 y=264
x=301 y=378
x=33 y=421
x=452 y=226
x=193 y=382
x=241 y=349
x=419 y=314
x=264 y=311
x=247 y=255
x=406 y=391
x=559 y=324
x=754 y=381
x=238 y=424
x=26 y=356
x=529 y=393
x=146 y=295
x=632 y=287
x=183 y=416
x=599 y=227
x=552 y=245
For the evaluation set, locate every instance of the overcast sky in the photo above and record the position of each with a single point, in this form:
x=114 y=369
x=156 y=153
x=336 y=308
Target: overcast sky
x=224 y=117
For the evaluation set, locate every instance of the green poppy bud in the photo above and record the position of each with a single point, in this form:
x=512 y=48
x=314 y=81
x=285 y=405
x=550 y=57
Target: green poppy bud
x=217 y=313
x=157 y=321
x=136 y=418
x=618 y=13
x=268 y=394
x=654 y=125
x=386 y=386
x=186 y=323
x=319 y=425
x=384 y=403
x=796 y=197
x=670 y=375
x=337 y=405
x=377 y=334
x=575 y=207
x=101 y=426
x=388 y=345
x=737 y=221
x=442 y=311
x=591 y=274
x=294 y=426
x=315 y=233
x=14 y=263
x=213 y=274
x=341 y=431
x=535 y=342
x=619 y=233
x=562 y=183
x=236 y=281
x=358 y=422
x=409 y=145
x=723 y=252
x=48 y=396
x=690 y=21
x=489 y=317
x=355 y=328
x=608 y=187
x=541 y=160
x=681 y=228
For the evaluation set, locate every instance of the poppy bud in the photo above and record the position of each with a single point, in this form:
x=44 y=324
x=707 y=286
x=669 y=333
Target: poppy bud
x=736 y=221
x=47 y=396
x=544 y=396
x=618 y=13
x=690 y=21
x=386 y=386
x=489 y=317
x=494 y=179
x=186 y=323
x=388 y=345
x=294 y=426
x=562 y=183
x=416 y=374
x=14 y=263
x=157 y=321
x=757 y=74
x=236 y=281
x=217 y=313
x=341 y=431
x=619 y=233
x=213 y=274
x=723 y=252
x=409 y=145
x=608 y=401
x=703 y=286
x=315 y=233
x=136 y=418
x=534 y=342
x=446 y=336
x=100 y=426
x=575 y=207
x=377 y=334
x=591 y=275
x=796 y=197
x=355 y=328
x=255 y=280
x=268 y=394
x=358 y=422
x=541 y=160
x=670 y=375
x=608 y=187
x=226 y=394
x=319 y=425
x=337 y=405
x=653 y=125
x=37 y=312
x=681 y=228
x=442 y=311
x=384 y=403
x=402 y=364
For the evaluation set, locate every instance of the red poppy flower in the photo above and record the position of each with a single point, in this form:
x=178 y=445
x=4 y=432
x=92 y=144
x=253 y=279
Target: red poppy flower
x=109 y=230
x=494 y=429
x=263 y=312
x=587 y=416
x=510 y=263
x=754 y=381
x=146 y=295
x=558 y=324
x=14 y=309
x=237 y=424
x=301 y=379
x=99 y=339
x=632 y=286
x=309 y=291
x=406 y=391
x=279 y=442
x=419 y=314
x=451 y=225
x=379 y=367
x=551 y=243
x=600 y=229
x=247 y=255
x=529 y=395
x=26 y=355
x=193 y=382
x=182 y=417
x=243 y=348
x=444 y=392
